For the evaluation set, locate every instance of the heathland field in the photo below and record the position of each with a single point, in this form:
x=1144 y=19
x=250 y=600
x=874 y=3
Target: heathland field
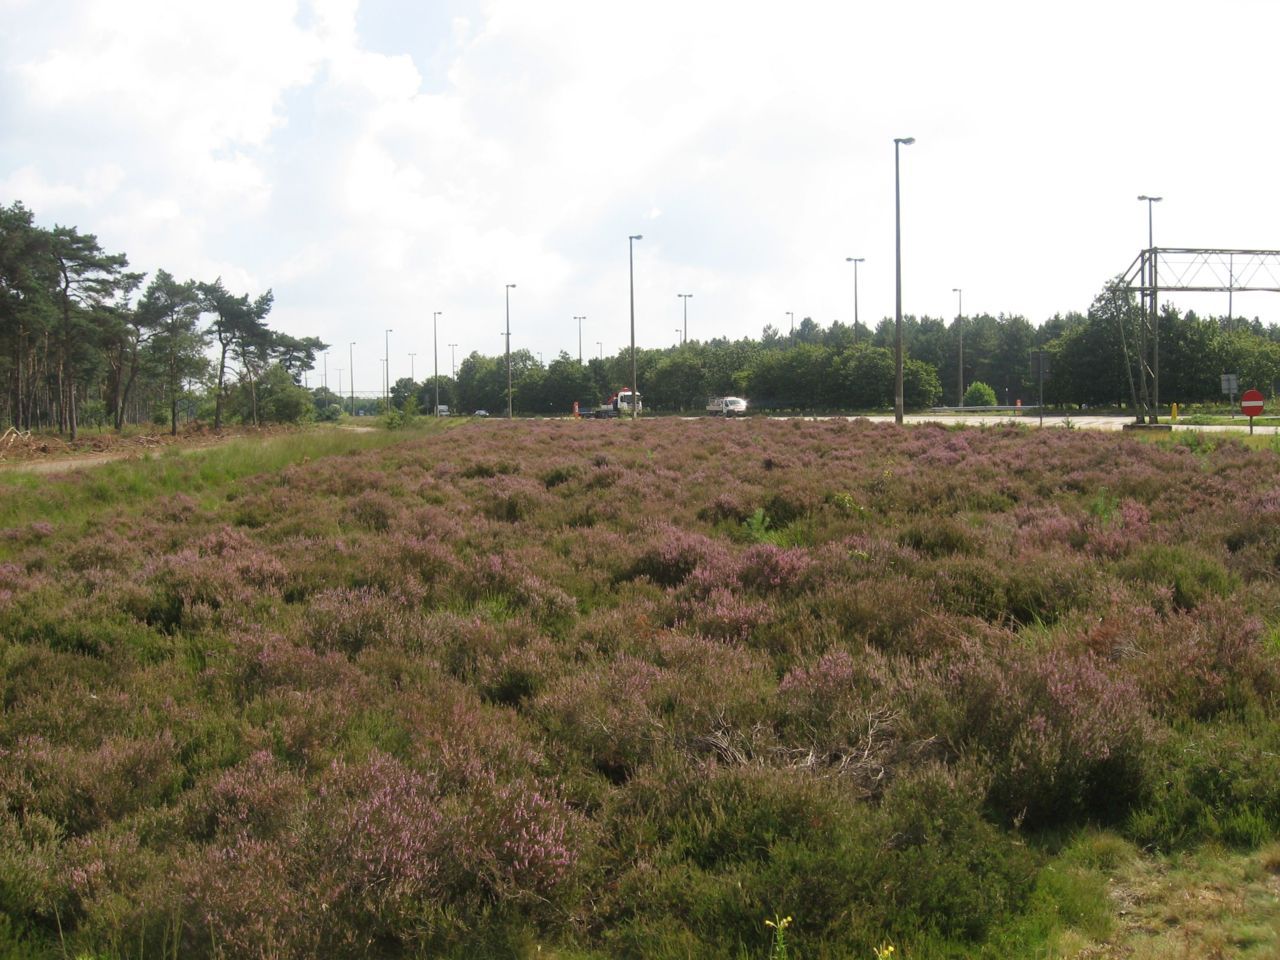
x=593 y=690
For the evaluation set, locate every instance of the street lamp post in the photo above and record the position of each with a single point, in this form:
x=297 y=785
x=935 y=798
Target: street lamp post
x=631 y=263
x=351 y=360
x=855 y=261
x=685 y=297
x=580 y=319
x=411 y=367
x=792 y=315
x=1155 y=313
x=600 y=347
x=340 y=388
x=326 y=370
x=960 y=330
x=897 y=238
x=386 y=371
x=453 y=361
x=509 y=288
x=435 y=354
x=677 y=336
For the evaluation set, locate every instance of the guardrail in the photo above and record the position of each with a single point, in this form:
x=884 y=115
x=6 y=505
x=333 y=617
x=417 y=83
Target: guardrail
x=996 y=409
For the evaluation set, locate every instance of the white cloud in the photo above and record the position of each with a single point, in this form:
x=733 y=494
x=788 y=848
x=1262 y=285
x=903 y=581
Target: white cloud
x=481 y=142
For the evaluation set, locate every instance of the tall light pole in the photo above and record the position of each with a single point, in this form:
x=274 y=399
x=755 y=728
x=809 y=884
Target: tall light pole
x=351 y=359
x=897 y=313
x=960 y=330
x=435 y=354
x=411 y=373
x=677 y=336
x=685 y=297
x=510 y=287
x=580 y=319
x=386 y=372
x=326 y=369
x=600 y=347
x=855 y=261
x=1155 y=313
x=792 y=315
x=340 y=388
x=453 y=361
x=631 y=263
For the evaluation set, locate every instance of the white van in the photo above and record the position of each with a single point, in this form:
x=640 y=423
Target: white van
x=726 y=406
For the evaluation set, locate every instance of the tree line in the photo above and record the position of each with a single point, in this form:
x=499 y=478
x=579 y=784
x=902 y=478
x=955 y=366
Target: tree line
x=1092 y=360
x=83 y=340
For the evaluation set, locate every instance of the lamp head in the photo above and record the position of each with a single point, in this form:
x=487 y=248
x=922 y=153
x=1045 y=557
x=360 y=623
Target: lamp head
x=904 y=140
x=637 y=237
x=1151 y=199
x=855 y=259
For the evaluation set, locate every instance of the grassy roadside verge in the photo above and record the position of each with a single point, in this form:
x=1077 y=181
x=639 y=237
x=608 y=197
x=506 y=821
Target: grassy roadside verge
x=201 y=473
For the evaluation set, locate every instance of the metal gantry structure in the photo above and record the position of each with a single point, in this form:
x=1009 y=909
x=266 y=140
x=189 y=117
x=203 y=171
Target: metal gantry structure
x=1157 y=270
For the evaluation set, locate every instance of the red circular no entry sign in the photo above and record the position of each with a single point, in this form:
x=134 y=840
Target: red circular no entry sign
x=1251 y=403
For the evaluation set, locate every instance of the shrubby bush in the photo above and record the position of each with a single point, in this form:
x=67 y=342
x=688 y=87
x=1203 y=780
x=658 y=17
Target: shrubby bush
x=627 y=690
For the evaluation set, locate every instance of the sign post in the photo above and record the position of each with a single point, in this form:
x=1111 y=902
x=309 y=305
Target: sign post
x=1230 y=384
x=1251 y=405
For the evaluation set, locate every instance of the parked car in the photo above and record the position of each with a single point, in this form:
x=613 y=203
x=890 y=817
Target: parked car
x=726 y=407
x=481 y=413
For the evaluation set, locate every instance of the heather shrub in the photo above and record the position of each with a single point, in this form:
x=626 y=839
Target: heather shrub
x=723 y=613
x=605 y=714
x=81 y=789
x=562 y=685
x=346 y=620
x=1199 y=667
x=32 y=882
x=1043 y=588
x=512 y=499
x=743 y=843
x=1065 y=739
x=373 y=509
x=881 y=612
x=937 y=537
x=517 y=674
x=1220 y=783
x=672 y=554
x=258 y=797
x=101 y=866
x=1192 y=576
x=506 y=580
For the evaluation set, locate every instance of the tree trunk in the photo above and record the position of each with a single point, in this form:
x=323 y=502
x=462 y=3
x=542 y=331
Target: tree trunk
x=222 y=376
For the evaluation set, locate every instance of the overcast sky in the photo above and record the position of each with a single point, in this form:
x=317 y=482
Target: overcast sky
x=374 y=161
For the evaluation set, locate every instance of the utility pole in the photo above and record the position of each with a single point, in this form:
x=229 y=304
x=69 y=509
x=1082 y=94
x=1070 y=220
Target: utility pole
x=897 y=238
x=631 y=260
x=435 y=353
x=509 y=287
x=960 y=330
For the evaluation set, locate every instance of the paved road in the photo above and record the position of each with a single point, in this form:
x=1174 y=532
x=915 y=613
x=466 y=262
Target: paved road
x=1031 y=420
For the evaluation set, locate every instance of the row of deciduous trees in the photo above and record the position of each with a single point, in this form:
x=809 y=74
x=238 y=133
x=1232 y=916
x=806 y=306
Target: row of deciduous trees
x=1094 y=361
x=79 y=332
x=76 y=335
